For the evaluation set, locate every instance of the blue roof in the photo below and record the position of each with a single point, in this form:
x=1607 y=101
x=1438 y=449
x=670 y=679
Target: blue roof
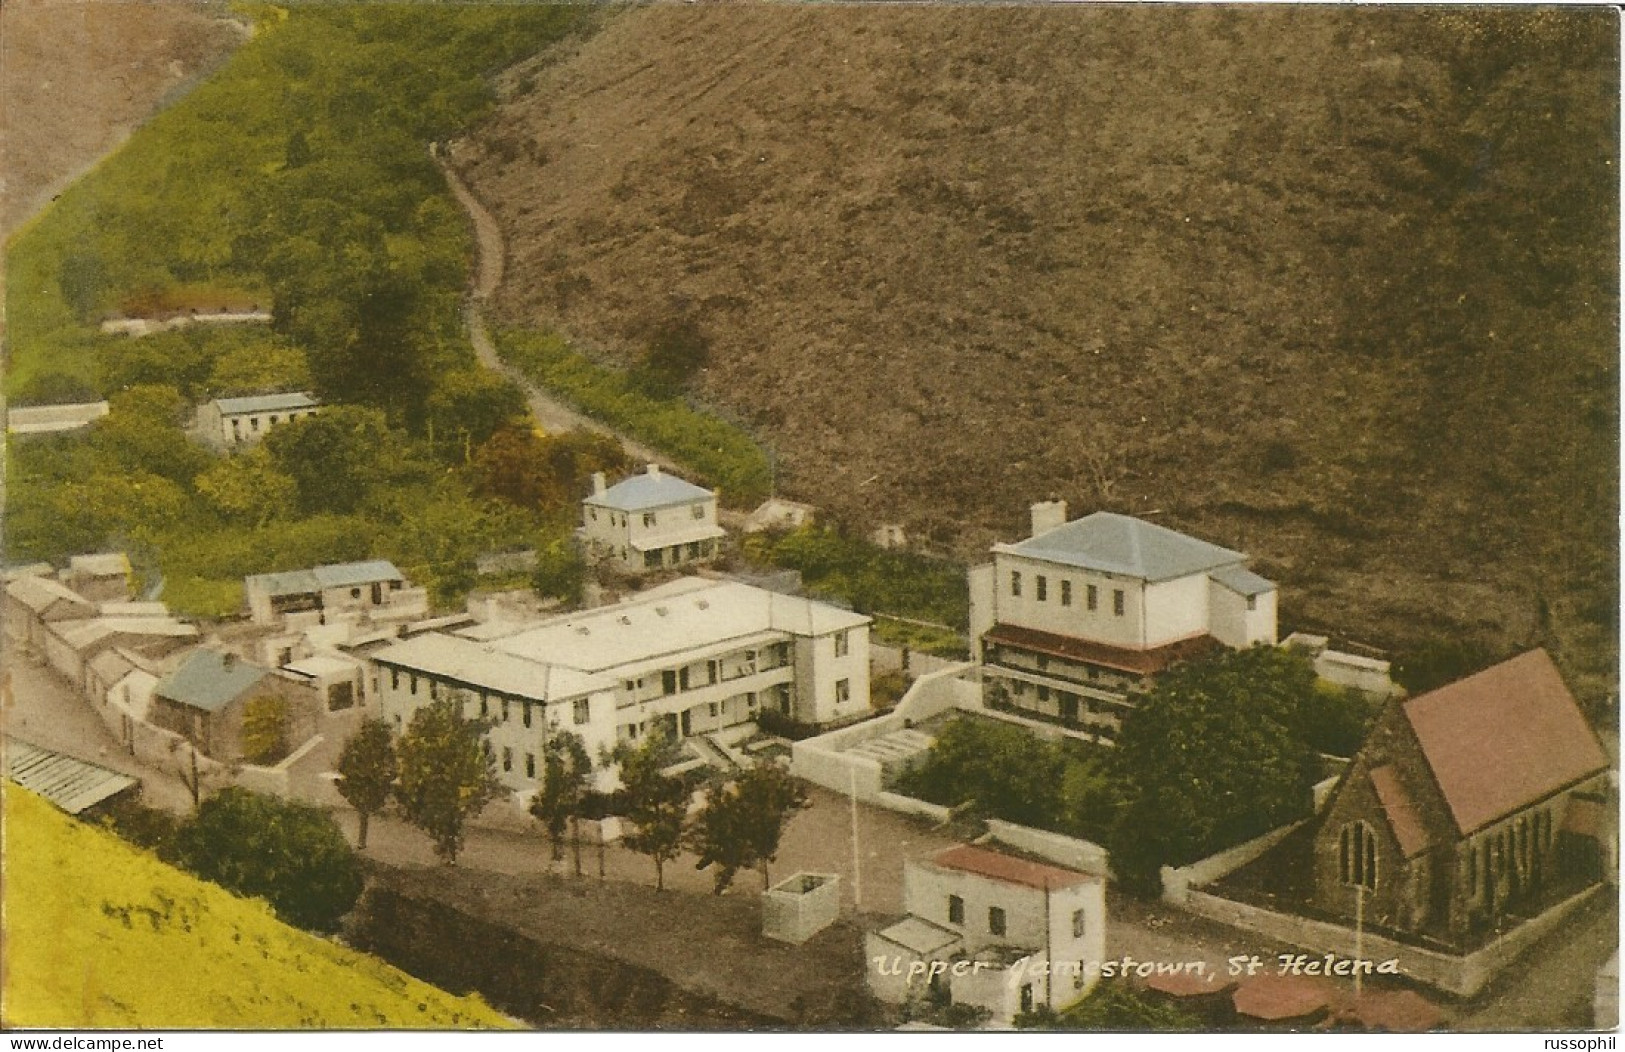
x=641 y=492
x=1243 y=581
x=335 y=575
x=266 y=403
x=210 y=680
x=1120 y=544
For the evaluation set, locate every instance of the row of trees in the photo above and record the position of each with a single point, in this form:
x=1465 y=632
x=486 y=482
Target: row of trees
x=441 y=773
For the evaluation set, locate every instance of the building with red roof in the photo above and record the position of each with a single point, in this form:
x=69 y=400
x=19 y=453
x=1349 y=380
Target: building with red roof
x=1466 y=804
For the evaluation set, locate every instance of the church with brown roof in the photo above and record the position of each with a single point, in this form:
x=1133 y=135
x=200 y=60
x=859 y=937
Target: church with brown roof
x=1467 y=807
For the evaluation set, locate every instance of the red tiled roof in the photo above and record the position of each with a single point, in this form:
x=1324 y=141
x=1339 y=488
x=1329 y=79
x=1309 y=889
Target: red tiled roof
x=987 y=863
x=1070 y=648
x=1396 y=804
x=1396 y=1011
x=1276 y=997
x=1504 y=738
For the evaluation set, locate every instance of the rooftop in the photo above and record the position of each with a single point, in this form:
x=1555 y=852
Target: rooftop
x=1242 y=581
x=266 y=403
x=102 y=564
x=482 y=666
x=1401 y=812
x=1130 y=547
x=38 y=593
x=209 y=680
x=979 y=860
x=921 y=936
x=88 y=633
x=1504 y=738
x=335 y=575
x=652 y=489
x=72 y=785
x=1071 y=648
x=49 y=419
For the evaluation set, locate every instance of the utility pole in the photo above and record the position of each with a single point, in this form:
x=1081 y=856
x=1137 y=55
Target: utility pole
x=857 y=873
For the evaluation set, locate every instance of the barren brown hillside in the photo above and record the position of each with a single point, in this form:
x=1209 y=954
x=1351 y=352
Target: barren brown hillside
x=77 y=75
x=1333 y=286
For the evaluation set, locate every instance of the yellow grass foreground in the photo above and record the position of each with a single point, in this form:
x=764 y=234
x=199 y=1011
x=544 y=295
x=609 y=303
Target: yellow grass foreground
x=101 y=934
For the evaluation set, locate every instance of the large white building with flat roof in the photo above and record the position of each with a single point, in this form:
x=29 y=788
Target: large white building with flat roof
x=695 y=656
x=651 y=521
x=227 y=423
x=1069 y=622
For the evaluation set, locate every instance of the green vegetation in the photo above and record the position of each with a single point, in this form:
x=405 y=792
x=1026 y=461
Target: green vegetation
x=656 y=804
x=873 y=580
x=290 y=854
x=743 y=821
x=367 y=771
x=265 y=730
x=447 y=773
x=299 y=177
x=1115 y=1005
x=723 y=455
x=154 y=948
x=1003 y=771
x=566 y=780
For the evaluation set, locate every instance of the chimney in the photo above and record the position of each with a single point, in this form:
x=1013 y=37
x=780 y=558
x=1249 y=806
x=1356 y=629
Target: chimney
x=1047 y=515
x=599 y=484
x=654 y=471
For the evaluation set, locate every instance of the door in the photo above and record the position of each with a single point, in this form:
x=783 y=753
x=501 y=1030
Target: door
x=686 y=730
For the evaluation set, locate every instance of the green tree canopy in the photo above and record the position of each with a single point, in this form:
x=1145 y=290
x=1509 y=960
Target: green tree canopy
x=248 y=488
x=447 y=773
x=292 y=855
x=367 y=771
x=743 y=820
x=657 y=804
x=1217 y=752
x=566 y=777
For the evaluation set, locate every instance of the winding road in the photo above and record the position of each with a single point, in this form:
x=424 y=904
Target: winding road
x=550 y=414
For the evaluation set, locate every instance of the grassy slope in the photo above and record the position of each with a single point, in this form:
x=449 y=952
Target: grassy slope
x=100 y=934
x=1313 y=283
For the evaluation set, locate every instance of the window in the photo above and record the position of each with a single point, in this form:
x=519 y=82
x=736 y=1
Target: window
x=507 y=758
x=713 y=709
x=1043 y=693
x=995 y=920
x=1043 y=588
x=668 y=682
x=682 y=678
x=648 y=518
x=843 y=691
x=355 y=593
x=581 y=710
x=1357 y=856
x=414 y=685
x=394 y=679
x=273 y=418
x=651 y=559
x=526 y=710
x=253 y=423
x=1015 y=583
x=1078 y=924
x=1252 y=602
x=1066 y=593
x=956 y=910
x=485 y=706
x=699 y=511
x=530 y=765
x=434 y=690
x=693 y=549
x=843 y=644
x=1091 y=597
x=504 y=710
x=1117 y=601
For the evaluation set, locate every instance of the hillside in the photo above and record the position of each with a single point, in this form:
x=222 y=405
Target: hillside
x=76 y=76
x=100 y=934
x=1334 y=286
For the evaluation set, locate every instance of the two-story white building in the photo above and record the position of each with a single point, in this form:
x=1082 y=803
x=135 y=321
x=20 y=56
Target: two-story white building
x=373 y=588
x=1069 y=622
x=992 y=930
x=695 y=657
x=650 y=521
x=227 y=423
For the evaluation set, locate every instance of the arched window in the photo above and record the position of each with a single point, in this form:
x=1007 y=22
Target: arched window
x=1357 y=856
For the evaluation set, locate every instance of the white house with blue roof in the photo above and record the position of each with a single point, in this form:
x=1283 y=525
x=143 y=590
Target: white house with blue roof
x=1071 y=620
x=228 y=423
x=651 y=521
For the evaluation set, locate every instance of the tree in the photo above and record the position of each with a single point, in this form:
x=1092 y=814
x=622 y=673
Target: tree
x=467 y=407
x=560 y=571
x=367 y=771
x=247 y=488
x=265 y=729
x=335 y=456
x=292 y=855
x=447 y=773
x=657 y=804
x=743 y=821
x=1214 y=754
x=259 y=368
x=566 y=777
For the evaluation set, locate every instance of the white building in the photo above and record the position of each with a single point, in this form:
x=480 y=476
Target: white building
x=228 y=423
x=650 y=521
x=695 y=656
x=374 y=589
x=991 y=930
x=1071 y=620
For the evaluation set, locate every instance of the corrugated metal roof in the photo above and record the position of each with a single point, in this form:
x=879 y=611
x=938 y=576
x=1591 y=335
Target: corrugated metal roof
x=700 y=532
x=209 y=680
x=73 y=785
x=265 y=403
x=1242 y=581
x=1504 y=738
x=920 y=936
x=645 y=492
x=333 y=575
x=483 y=666
x=969 y=858
x=1120 y=544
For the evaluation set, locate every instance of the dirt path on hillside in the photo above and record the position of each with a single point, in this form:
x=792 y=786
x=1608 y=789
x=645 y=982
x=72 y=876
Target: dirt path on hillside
x=550 y=414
